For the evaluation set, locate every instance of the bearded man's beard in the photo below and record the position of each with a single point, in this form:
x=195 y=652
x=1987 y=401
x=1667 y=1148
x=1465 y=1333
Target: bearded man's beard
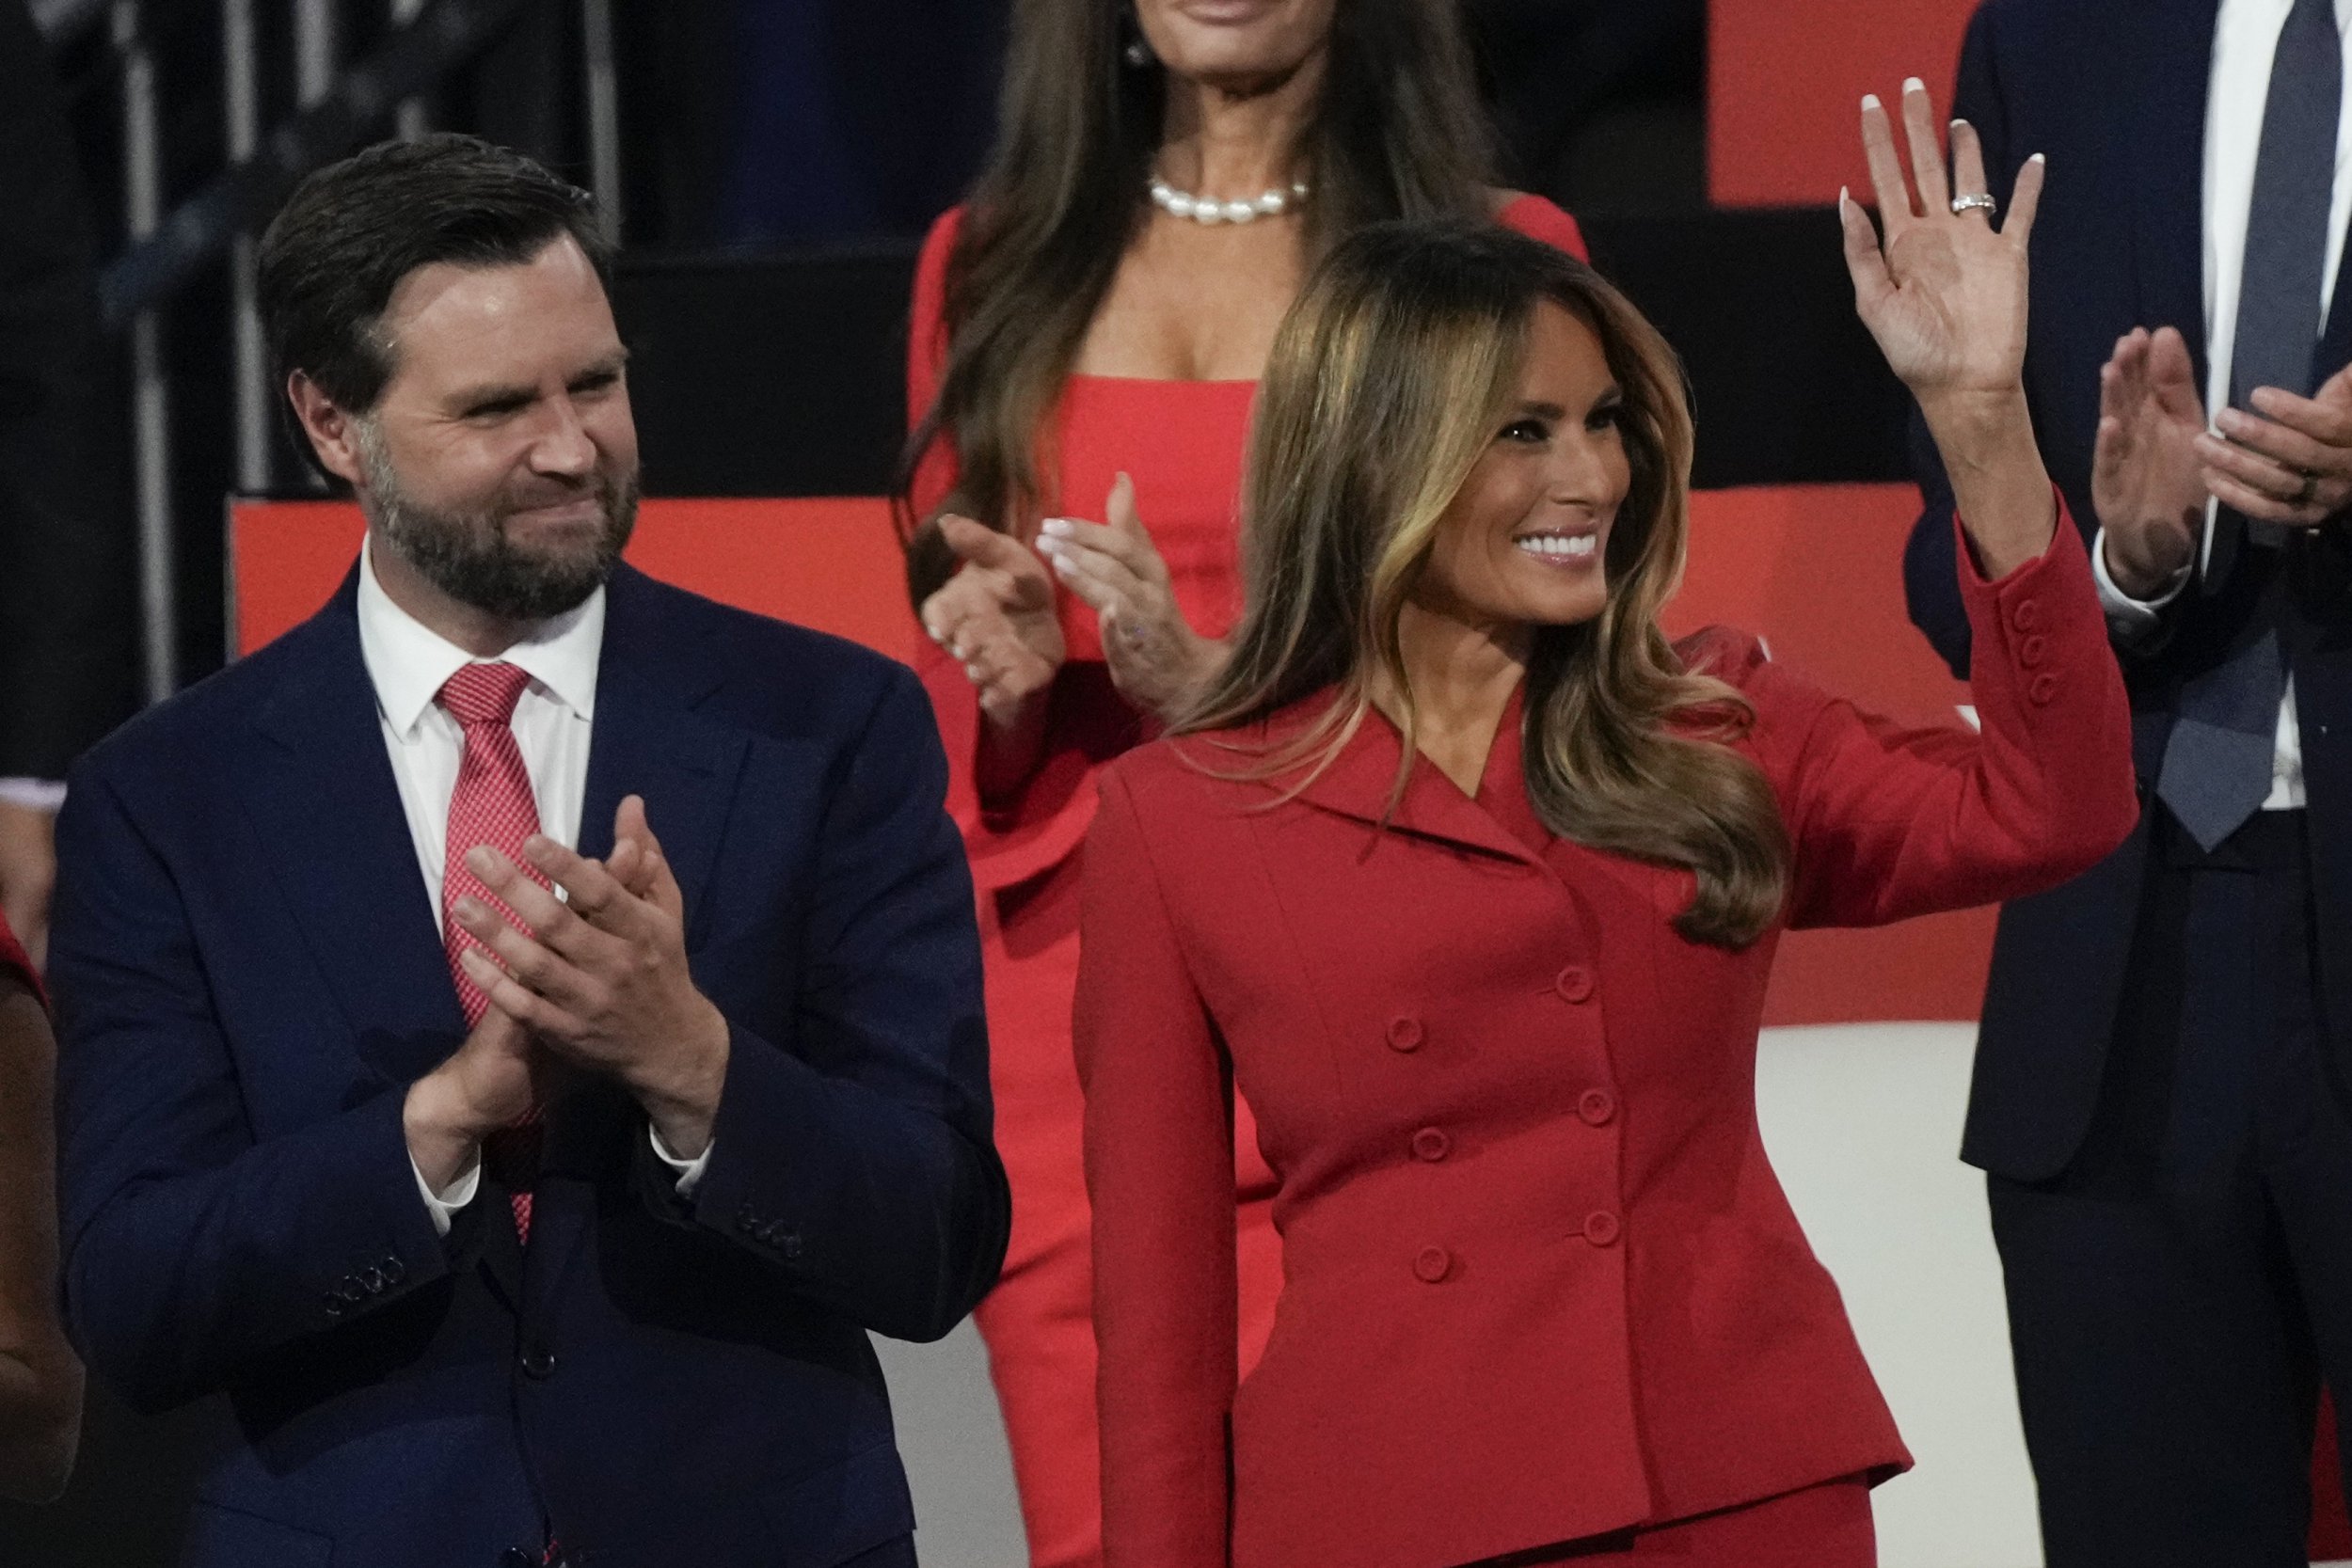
x=468 y=555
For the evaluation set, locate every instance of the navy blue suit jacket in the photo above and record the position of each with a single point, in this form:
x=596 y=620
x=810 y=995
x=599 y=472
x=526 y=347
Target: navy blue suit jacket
x=249 y=975
x=2113 y=91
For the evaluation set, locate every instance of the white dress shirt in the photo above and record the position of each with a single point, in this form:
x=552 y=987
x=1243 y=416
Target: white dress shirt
x=2245 y=39
x=408 y=664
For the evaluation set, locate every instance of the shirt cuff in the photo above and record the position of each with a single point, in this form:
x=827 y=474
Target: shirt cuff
x=443 y=1205
x=33 y=794
x=2127 y=616
x=690 y=1172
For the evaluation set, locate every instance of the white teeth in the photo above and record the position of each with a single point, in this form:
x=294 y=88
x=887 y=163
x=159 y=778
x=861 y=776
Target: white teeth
x=1560 y=544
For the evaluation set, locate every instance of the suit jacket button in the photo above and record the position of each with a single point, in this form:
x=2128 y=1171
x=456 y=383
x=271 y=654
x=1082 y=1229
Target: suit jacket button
x=789 y=1244
x=374 y=1281
x=1431 y=1144
x=1433 y=1264
x=394 y=1270
x=1575 y=983
x=539 y=1364
x=1596 y=1106
x=2034 y=652
x=2043 y=691
x=334 y=1304
x=2027 y=615
x=1405 y=1033
x=351 y=1290
x=1601 y=1228
x=746 y=1221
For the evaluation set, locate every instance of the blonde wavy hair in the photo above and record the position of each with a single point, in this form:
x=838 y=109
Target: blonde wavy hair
x=1388 y=380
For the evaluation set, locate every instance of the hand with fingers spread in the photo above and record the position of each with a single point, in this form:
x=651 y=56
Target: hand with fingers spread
x=2289 y=460
x=600 y=976
x=996 y=617
x=1943 y=292
x=2146 y=474
x=1156 y=660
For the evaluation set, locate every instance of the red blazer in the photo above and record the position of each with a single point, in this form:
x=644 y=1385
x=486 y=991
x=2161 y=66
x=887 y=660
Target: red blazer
x=1540 y=1281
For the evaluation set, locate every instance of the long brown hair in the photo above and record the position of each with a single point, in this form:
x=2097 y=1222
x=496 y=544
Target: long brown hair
x=1388 y=379
x=1397 y=133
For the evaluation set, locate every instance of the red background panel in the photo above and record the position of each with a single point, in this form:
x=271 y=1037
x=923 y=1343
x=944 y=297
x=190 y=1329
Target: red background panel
x=1785 y=80
x=1817 y=571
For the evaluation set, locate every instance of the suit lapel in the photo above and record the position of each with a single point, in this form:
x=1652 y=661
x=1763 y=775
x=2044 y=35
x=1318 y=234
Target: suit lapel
x=647 y=740
x=321 y=790
x=1362 y=781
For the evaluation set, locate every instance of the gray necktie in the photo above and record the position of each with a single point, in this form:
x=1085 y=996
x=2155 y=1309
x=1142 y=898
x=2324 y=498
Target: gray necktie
x=2218 y=763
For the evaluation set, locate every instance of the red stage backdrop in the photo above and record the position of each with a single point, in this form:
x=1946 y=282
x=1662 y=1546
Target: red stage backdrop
x=1785 y=80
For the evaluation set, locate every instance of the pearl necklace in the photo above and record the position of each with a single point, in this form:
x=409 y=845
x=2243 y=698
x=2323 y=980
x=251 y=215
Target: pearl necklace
x=1207 y=209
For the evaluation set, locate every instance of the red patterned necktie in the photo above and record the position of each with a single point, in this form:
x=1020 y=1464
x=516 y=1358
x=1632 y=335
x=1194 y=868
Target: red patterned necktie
x=492 y=805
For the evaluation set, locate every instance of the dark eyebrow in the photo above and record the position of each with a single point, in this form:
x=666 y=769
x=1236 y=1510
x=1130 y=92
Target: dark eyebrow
x=606 y=367
x=1542 y=411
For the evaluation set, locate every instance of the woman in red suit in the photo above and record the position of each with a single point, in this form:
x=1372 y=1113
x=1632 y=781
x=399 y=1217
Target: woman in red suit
x=1470 y=883
x=40 y=1381
x=1087 y=342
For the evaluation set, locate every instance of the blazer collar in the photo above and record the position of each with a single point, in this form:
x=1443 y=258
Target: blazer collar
x=321 y=792
x=1361 y=782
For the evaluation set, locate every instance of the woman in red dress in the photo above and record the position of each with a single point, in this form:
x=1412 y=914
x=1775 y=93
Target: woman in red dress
x=1086 y=343
x=1470 y=883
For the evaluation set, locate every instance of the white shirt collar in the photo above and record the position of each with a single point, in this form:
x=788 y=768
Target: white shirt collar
x=409 y=663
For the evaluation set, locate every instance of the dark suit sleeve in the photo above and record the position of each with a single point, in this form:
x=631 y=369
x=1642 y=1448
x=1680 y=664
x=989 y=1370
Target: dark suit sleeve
x=858 y=1156
x=1931 y=572
x=193 y=1245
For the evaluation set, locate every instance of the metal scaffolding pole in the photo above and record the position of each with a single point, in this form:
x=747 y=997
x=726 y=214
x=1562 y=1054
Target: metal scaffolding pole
x=314 y=50
x=604 y=114
x=151 y=401
x=410 y=120
x=256 y=398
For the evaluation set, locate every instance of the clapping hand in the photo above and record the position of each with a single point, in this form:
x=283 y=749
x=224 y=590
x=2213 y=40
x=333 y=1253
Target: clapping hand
x=2147 y=472
x=1156 y=660
x=600 y=977
x=996 y=617
x=2289 y=461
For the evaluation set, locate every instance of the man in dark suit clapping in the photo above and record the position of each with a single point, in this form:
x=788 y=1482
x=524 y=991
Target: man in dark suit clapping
x=522 y=1028
x=2163 y=1097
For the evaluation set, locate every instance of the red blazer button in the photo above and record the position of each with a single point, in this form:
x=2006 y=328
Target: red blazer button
x=1405 y=1033
x=1431 y=1144
x=1601 y=1228
x=1596 y=1106
x=2033 y=652
x=2043 y=691
x=2027 y=615
x=1433 y=1264
x=1575 y=983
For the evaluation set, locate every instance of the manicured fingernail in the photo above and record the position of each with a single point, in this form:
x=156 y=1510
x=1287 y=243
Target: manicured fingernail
x=1912 y=84
x=1870 y=101
x=1057 y=527
x=482 y=859
x=1052 y=544
x=2037 y=158
x=1063 y=564
x=1842 y=198
x=467 y=908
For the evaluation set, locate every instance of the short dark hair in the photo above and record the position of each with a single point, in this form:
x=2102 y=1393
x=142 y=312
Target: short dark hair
x=350 y=232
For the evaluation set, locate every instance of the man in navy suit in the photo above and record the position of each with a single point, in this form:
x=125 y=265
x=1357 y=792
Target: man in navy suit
x=522 y=1028
x=2162 y=1096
